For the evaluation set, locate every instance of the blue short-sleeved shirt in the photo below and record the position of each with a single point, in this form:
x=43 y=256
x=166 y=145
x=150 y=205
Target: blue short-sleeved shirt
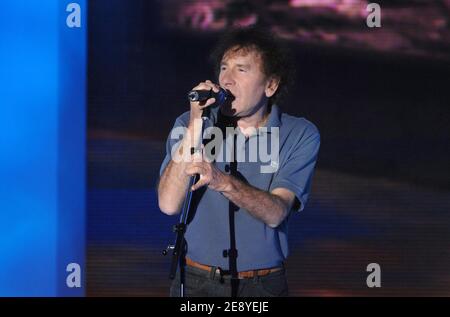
x=258 y=245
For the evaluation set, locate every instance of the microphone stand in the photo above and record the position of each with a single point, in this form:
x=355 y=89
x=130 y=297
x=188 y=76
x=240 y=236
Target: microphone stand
x=180 y=247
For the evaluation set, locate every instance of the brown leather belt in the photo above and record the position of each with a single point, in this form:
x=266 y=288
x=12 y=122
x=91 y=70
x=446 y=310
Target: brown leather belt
x=241 y=275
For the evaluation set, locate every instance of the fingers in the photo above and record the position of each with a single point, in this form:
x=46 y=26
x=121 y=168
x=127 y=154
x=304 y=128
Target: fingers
x=207 y=85
x=213 y=86
x=201 y=182
x=206 y=104
x=198 y=168
x=200 y=164
x=197 y=107
x=195 y=168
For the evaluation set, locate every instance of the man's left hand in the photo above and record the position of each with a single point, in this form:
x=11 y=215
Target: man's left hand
x=210 y=175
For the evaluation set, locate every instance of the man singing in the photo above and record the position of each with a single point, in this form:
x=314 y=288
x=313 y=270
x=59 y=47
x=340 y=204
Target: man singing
x=236 y=236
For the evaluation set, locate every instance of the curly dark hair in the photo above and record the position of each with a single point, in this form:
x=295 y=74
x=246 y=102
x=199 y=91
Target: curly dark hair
x=276 y=58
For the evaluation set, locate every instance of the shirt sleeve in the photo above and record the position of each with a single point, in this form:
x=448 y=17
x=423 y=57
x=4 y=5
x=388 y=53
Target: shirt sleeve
x=295 y=173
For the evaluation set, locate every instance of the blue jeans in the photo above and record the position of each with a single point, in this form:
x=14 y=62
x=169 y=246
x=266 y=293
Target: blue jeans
x=201 y=283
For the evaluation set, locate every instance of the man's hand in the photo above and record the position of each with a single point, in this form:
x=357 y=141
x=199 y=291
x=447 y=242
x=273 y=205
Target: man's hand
x=210 y=175
x=197 y=107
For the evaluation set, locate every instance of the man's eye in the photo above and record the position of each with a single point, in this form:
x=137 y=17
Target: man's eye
x=241 y=70
x=222 y=68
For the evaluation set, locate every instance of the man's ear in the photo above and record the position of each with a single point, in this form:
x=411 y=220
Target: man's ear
x=272 y=86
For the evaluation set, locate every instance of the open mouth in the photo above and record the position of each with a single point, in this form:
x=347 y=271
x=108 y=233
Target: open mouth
x=230 y=96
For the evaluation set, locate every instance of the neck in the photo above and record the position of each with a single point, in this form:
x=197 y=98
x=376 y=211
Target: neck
x=255 y=120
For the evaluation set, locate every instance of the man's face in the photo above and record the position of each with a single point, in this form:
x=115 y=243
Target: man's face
x=241 y=73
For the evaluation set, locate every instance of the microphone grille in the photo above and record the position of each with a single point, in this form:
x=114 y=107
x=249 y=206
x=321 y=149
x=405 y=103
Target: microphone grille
x=193 y=95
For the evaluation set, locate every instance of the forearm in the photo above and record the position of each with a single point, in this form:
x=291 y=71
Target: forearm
x=173 y=184
x=172 y=188
x=262 y=205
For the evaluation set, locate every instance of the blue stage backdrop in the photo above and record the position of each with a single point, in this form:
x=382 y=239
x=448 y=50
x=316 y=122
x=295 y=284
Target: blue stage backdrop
x=42 y=146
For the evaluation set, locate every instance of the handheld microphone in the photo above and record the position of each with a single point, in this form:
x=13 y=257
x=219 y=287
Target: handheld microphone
x=202 y=95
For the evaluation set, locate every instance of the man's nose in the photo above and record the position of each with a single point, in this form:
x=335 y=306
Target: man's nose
x=227 y=80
